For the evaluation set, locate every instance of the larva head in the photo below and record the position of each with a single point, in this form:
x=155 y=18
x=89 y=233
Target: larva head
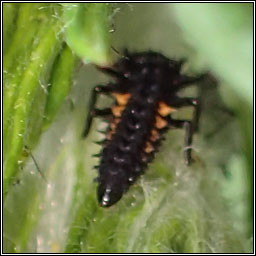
x=135 y=65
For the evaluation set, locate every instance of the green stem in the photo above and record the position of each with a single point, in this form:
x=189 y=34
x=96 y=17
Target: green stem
x=10 y=12
x=60 y=83
x=41 y=59
x=17 y=59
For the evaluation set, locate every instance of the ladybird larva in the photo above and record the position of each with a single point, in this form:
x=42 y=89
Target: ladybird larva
x=145 y=91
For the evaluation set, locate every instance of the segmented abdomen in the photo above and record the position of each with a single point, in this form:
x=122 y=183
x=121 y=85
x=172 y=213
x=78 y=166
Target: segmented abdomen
x=134 y=135
x=145 y=85
x=128 y=148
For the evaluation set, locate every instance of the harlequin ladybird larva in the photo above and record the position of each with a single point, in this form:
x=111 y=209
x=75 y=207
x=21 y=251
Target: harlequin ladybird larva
x=145 y=91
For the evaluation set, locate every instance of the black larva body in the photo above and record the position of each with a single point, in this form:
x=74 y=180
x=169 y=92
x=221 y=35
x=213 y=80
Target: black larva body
x=145 y=89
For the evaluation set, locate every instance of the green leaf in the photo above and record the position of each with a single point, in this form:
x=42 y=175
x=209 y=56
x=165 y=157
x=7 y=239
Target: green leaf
x=87 y=31
x=223 y=36
x=60 y=83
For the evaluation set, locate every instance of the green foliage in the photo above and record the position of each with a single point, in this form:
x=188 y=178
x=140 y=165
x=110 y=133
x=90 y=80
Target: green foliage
x=173 y=208
x=26 y=70
x=223 y=35
x=87 y=31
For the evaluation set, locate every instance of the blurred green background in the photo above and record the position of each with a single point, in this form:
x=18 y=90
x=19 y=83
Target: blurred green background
x=204 y=208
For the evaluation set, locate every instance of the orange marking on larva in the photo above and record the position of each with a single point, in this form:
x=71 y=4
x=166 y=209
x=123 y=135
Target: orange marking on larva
x=109 y=135
x=154 y=135
x=113 y=124
x=165 y=110
x=160 y=122
x=113 y=128
x=117 y=110
x=149 y=148
x=117 y=120
x=122 y=99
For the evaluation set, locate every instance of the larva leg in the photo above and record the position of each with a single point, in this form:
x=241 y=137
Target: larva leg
x=111 y=71
x=189 y=101
x=183 y=102
x=184 y=81
x=188 y=125
x=92 y=112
